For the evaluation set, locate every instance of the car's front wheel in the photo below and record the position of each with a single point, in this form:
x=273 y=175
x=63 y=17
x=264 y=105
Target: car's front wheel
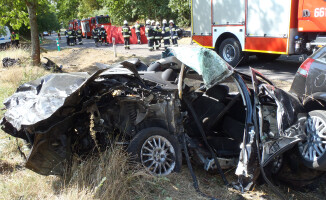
x=313 y=149
x=157 y=150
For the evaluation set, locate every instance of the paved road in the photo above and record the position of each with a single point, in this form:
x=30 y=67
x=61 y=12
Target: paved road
x=283 y=68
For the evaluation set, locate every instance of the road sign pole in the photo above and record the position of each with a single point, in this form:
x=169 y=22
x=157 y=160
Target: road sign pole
x=58 y=45
x=114 y=47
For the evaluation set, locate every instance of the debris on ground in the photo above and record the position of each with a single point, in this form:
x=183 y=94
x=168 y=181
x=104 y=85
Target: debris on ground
x=50 y=65
x=8 y=62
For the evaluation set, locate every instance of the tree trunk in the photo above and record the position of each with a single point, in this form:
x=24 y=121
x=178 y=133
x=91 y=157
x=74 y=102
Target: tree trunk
x=31 y=7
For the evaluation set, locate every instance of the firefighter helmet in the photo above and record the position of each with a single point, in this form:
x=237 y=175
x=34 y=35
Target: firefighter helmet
x=125 y=22
x=148 y=22
x=157 y=23
x=153 y=22
x=102 y=26
x=164 y=21
x=171 y=21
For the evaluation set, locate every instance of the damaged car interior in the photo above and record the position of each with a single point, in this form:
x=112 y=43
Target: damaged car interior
x=188 y=106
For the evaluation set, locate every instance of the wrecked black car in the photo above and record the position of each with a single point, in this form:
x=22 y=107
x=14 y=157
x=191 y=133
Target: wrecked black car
x=191 y=101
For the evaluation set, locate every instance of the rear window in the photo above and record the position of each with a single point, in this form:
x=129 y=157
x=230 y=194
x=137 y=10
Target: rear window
x=322 y=57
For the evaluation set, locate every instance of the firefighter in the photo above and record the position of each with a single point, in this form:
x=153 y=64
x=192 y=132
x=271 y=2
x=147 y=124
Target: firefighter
x=96 y=34
x=166 y=34
x=137 y=31
x=126 y=33
x=155 y=45
x=158 y=35
x=71 y=36
x=79 y=36
x=174 y=33
x=103 y=35
x=150 y=35
x=15 y=39
x=66 y=34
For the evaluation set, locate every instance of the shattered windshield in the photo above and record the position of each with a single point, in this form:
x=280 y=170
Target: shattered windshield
x=205 y=62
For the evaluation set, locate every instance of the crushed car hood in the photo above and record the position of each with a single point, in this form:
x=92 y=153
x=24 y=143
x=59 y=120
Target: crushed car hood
x=39 y=99
x=205 y=62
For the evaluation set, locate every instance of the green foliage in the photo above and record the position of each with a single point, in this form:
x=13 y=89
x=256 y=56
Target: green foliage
x=67 y=10
x=182 y=10
x=47 y=19
x=120 y=10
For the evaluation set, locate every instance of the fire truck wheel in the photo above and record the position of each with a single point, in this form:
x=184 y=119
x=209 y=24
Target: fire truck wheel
x=230 y=51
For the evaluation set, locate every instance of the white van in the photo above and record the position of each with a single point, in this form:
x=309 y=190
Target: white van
x=5 y=37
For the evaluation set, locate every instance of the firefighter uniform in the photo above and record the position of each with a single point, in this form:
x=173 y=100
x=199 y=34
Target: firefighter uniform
x=15 y=39
x=95 y=34
x=166 y=34
x=137 y=31
x=158 y=35
x=150 y=35
x=71 y=37
x=79 y=36
x=126 y=33
x=174 y=33
x=103 y=35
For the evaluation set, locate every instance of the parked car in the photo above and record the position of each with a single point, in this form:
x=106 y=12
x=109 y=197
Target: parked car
x=5 y=37
x=190 y=101
x=309 y=85
x=45 y=33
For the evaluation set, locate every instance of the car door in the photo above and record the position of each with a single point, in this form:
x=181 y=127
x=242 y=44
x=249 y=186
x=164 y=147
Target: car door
x=288 y=123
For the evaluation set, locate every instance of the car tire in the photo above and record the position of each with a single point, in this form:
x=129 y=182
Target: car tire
x=230 y=51
x=157 y=150
x=313 y=150
x=267 y=57
x=295 y=174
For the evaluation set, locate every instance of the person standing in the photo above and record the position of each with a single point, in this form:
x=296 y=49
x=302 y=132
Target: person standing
x=79 y=36
x=71 y=36
x=155 y=46
x=166 y=34
x=15 y=39
x=126 y=33
x=137 y=31
x=174 y=33
x=95 y=34
x=150 y=35
x=103 y=35
x=158 y=35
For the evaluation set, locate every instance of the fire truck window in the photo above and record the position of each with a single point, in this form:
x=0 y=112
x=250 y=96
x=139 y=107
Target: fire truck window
x=93 y=21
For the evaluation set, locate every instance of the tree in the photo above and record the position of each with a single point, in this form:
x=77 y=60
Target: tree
x=31 y=7
x=182 y=9
x=47 y=19
x=67 y=10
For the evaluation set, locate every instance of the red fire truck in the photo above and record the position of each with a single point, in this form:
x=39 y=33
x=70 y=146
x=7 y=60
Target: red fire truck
x=267 y=29
x=75 y=24
x=89 y=24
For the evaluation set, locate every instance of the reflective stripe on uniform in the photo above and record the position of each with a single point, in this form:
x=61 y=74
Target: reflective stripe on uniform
x=166 y=38
x=157 y=37
x=152 y=37
x=175 y=37
x=126 y=36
